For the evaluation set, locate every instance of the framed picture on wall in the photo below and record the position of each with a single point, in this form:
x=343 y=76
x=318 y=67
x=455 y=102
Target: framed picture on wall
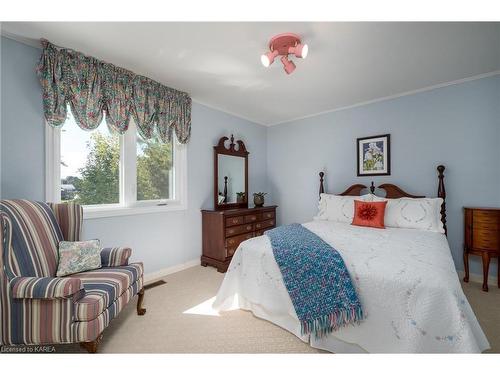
x=374 y=155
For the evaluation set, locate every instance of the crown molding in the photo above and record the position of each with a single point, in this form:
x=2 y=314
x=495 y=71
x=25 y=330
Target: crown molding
x=21 y=39
x=227 y=112
x=391 y=97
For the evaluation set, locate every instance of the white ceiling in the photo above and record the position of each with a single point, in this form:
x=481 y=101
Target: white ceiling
x=348 y=63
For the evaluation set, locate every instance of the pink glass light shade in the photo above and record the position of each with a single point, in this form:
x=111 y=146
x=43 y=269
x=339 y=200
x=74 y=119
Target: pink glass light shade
x=300 y=50
x=288 y=65
x=268 y=58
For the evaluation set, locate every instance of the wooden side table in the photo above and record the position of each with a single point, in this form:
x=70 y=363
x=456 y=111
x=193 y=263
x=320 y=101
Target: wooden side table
x=482 y=237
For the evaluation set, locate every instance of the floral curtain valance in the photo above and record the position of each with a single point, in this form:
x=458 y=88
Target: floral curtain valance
x=93 y=88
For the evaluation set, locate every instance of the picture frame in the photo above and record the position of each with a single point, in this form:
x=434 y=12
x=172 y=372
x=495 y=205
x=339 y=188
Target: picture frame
x=374 y=155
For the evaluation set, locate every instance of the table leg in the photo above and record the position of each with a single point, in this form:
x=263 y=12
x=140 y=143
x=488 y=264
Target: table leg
x=486 y=268
x=466 y=265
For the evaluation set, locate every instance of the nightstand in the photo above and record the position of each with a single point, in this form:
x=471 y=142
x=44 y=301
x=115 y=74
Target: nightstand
x=482 y=237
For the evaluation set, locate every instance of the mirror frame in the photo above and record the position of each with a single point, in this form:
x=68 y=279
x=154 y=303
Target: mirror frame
x=240 y=151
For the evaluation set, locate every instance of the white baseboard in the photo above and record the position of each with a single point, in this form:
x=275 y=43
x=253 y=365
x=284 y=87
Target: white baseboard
x=492 y=281
x=155 y=276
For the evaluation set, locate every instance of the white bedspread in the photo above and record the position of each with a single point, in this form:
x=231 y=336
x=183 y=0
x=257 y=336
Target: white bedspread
x=405 y=279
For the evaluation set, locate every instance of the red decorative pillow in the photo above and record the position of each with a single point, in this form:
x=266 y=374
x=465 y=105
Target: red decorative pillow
x=369 y=214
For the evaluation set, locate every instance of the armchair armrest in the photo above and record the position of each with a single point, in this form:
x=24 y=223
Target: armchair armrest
x=115 y=256
x=45 y=287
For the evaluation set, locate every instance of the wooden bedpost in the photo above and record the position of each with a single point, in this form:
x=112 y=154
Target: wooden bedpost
x=372 y=188
x=442 y=194
x=321 y=187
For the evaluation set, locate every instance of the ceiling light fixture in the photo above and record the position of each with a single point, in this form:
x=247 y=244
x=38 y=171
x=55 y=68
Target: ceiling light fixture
x=288 y=65
x=284 y=45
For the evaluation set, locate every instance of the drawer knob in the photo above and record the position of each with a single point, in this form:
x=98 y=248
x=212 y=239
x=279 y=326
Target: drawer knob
x=249 y=227
x=235 y=221
x=257 y=226
x=271 y=222
x=231 y=231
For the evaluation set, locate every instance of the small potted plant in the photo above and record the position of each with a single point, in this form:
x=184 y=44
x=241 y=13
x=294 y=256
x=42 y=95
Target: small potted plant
x=258 y=199
x=240 y=197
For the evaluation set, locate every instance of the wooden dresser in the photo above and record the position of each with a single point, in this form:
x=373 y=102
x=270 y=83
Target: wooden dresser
x=482 y=237
x=224 y=230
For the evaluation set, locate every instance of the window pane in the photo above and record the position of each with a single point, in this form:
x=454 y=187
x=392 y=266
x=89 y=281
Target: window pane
x=90 y=164
x=154 y=169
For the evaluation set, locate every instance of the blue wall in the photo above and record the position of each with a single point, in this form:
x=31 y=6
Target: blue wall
x=22 y=125
x=458 y=126
x=160 y=240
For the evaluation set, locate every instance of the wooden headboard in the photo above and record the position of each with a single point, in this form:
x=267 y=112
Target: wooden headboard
x=394 y=191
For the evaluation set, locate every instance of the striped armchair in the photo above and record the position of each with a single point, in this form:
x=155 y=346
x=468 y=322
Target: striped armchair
x=39 y=308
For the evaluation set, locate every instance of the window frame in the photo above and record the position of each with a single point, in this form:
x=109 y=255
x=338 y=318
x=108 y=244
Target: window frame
x=129 y=205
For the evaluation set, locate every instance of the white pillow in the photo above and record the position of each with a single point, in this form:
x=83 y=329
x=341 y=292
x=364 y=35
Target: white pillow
x=413 y=213
x=339 y=207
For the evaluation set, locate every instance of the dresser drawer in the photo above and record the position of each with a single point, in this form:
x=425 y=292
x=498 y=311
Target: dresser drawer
x=265 y=224
x=484 y=217
x=235 y=220
x=478 y=225
x=485 y=239
x=252 y=218
x=230 y=251
x=268 y=215
x=235 y=230
x=232 y=243
x=236 y=240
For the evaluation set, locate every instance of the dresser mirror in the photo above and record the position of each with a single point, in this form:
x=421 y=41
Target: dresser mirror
x=230 y=174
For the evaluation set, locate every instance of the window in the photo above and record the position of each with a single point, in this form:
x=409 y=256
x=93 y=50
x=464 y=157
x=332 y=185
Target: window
x=154 y=170
x=90 y=165
x=112 y=174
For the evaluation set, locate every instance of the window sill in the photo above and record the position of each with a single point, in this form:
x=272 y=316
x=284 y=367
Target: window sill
x=102 y=212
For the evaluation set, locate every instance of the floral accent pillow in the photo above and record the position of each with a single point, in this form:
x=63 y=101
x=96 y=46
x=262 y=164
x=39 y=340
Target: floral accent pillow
x=369 y=214
x=79 y=256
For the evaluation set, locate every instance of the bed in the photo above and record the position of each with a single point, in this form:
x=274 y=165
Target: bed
x=405 y=280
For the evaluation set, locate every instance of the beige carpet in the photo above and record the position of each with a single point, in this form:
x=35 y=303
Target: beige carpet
x=176 y=322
